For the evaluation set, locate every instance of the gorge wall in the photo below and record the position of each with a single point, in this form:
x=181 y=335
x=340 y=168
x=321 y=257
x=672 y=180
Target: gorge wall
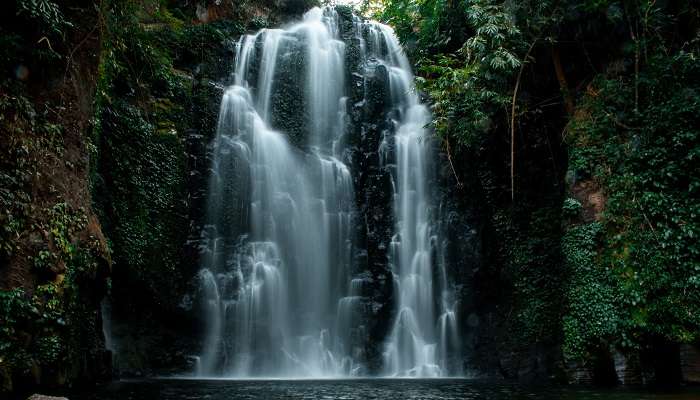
x=109 y=119
x=165 y=312
x=54 y=257
x=154 y=167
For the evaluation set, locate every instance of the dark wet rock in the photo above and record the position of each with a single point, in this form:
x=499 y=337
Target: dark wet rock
x=628 y=368
x=289 y=110
x=578 y=373
x=690 y=363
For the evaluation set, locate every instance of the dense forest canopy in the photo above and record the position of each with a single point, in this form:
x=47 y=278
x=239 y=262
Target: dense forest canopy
x=569 y=133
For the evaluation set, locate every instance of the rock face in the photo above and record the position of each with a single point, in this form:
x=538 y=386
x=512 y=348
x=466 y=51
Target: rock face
x=43 y=397
x=149 y=185
x=158 y=335
x=54 y=260
x=690 y=363
x=628 y=369
x=372 y=182
x=661 y=364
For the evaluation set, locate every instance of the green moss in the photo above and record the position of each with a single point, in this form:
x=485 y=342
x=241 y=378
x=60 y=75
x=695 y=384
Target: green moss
x=143 y=116
x=144 y=175
x=531 y=256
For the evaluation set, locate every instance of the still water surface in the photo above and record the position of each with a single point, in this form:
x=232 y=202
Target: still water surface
x=360 y=389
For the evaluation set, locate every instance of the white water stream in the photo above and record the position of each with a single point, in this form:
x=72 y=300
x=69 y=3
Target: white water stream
x=280 y=300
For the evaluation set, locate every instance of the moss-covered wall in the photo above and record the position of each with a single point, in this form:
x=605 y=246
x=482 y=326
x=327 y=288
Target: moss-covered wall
x=631 y=241
x=163 y=69
x=54 y=261
x=574 y=128
x=157 y=108
x=106 y=111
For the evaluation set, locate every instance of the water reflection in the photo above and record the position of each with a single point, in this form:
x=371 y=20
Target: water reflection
x=394 y=389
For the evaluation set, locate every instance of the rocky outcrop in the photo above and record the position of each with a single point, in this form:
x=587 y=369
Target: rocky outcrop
x=628 y=369
x=54 y=260
x=690 y=363
x=44 y=397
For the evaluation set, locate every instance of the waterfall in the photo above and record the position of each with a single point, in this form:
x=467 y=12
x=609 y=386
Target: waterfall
x=280 y=291
x=106 y=313
x=419 y=343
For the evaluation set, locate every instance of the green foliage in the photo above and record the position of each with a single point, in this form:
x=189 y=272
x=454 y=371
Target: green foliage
x=33 y=330
x=33 y=32
x=592 y=316
x=44 y=260
x=258 y=22
x=63 y=225
x=15 y=309
x=571 y=208
x=49 y=327
x=142 y=115
x=15 y=199
x=49 y=349
x=530 y=256
x=494 y=36
x=632 y=276
x=29 y=137
x=44 y=12
x=644 y=152
x=33 y=323
x=145 y=197
x=466 y=78
x=41 y=236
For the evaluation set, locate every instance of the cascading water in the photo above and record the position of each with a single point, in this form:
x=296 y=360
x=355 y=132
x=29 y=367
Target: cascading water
x=270 y=295
x=420 y=343
x=281 y=292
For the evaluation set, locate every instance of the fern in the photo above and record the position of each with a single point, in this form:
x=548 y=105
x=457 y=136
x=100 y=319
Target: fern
x=46 y=12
